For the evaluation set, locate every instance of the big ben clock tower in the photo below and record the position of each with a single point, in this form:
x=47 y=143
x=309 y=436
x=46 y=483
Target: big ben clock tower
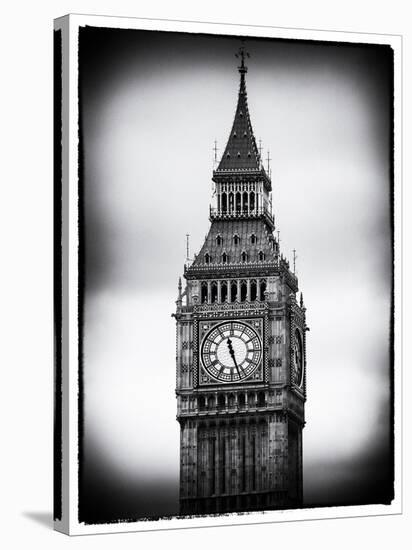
x=240 y=349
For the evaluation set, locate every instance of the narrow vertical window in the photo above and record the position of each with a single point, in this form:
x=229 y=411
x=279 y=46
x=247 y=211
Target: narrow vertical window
x=253 y=290
x=252 y=201
x=233 y=290
x=262 y=289
x=238 y=203
x=203 y=297
x=243 y=463
x=231 y=200
x=214 y=292
x=243 y=291
x=223 y=292
x=245 y=202
x=223 y=464
x=224 y=203
x=253 y=463
x=213 y=472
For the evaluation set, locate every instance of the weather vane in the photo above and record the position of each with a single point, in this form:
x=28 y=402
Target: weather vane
x=242 y=53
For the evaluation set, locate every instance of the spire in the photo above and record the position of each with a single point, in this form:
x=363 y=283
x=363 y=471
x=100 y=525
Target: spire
x=241 y=163
x=241 y=152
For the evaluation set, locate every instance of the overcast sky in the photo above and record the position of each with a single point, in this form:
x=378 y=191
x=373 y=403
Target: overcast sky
x=152 y=106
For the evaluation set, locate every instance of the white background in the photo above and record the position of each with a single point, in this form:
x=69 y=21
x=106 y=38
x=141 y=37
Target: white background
x=26 y=301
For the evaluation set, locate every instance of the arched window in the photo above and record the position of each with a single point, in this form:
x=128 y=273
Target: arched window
x=223 y=291
x=253 y=239
x=243 y=291
x=261 y=399
x=201 y=402
x=214 y=292
x=262 y=289
x=251 y=400
x=233 y=291
x=252 y=201
x=231 y=203
x=253 y=290
x=236 y=239
x=207 y=258
x=224 y=203
x=231 y=401
x=238 y=202
x=225 y=258
x=203 y=297
x=211 y=402
x=244 y=257
x=261 y=256
x=219 y=240
x=245 y=201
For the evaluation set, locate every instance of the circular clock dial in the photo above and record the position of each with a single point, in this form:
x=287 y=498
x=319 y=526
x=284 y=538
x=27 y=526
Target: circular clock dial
x=231 y=351
x=298 y=358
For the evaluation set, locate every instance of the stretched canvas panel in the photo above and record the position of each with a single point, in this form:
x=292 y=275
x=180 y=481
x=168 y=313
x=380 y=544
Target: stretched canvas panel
x=226 y=274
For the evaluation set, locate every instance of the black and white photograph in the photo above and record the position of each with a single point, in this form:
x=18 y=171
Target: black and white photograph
x=233 y=272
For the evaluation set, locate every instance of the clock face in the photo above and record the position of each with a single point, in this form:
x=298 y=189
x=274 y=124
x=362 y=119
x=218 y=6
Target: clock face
x=231 y=351
x=298 y=358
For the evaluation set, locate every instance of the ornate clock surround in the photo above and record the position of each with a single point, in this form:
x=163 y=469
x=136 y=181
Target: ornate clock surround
x=297 y=323
x=202 y=327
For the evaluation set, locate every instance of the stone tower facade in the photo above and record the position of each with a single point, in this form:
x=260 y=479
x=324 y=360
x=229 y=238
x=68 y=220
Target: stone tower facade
x=240 y=347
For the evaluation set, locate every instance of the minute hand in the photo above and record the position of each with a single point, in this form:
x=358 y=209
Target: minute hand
x=232 y=354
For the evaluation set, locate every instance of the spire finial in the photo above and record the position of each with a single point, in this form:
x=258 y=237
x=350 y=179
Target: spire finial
x=242 y=53
x=179 y=293
x=294 y=260
x=187 y=247
x=215 y=150
x=301 y=299
x=268 y=159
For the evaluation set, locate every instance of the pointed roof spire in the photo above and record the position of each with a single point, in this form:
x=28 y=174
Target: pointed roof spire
x=241 y=152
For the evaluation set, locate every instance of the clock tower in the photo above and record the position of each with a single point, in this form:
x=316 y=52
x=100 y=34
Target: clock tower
x=240 y=347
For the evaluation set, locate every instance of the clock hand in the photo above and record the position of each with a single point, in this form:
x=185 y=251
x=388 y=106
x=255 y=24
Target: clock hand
x=232 y=354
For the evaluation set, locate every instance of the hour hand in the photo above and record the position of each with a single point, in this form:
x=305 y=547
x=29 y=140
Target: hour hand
x=232 y=354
